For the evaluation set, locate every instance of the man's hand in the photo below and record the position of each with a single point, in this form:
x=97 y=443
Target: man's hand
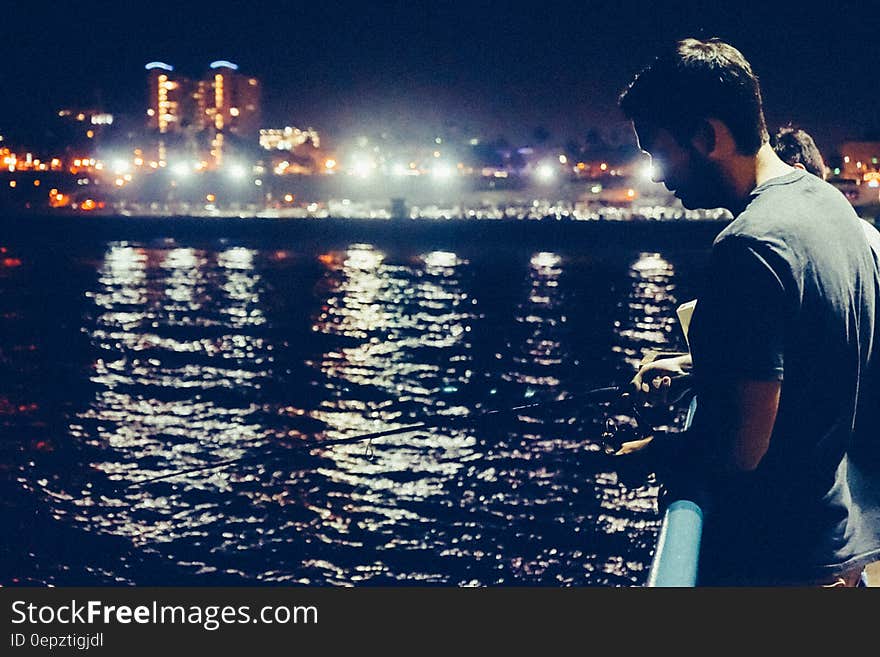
x=654 y=378
x=633 y=446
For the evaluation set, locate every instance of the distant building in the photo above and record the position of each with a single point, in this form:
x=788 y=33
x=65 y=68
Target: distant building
x=288 y=138
x=86 y=116
x=170 y=99
x=80 y=129
x=860 y=159
x=857 y=172
x=228 y=100
x=223 y=102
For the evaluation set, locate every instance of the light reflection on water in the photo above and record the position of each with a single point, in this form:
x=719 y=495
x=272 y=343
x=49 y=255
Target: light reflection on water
x=649 y=308
x=205 y=354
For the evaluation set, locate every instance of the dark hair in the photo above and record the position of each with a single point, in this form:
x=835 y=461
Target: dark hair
x=795 y=146
x=695 y=80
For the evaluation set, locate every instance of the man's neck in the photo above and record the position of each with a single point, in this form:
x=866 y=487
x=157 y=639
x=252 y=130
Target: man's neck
x=751 y=172
x=769 y=166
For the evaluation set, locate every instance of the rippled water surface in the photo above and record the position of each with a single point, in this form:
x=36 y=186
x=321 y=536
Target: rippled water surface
x=125 y=357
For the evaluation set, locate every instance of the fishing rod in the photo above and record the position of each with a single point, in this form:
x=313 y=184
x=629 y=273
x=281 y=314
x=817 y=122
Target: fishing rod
x=596 y=394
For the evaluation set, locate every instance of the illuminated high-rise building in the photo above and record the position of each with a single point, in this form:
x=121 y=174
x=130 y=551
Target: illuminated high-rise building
x=170 y=99
x=224 y=102
x=229 y=101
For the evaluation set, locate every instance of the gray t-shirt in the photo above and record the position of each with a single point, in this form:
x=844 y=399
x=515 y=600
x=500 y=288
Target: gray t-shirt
x=791 y=294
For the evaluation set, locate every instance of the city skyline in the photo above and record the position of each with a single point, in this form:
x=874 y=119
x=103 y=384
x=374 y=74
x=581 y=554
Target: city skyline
x=418 y=67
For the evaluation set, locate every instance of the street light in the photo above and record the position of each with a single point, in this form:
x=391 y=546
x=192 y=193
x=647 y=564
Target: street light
x=236 y=171
x=441 y=171
x=545 y=173
x=181 y=169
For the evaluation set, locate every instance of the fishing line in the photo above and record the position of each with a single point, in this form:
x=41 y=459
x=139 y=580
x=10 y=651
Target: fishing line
x=605 y=393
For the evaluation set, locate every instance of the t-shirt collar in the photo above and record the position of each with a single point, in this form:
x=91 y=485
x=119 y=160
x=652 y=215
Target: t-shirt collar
x=786 y=179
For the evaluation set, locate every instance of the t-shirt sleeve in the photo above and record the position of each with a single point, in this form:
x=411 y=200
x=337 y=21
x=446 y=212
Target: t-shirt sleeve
x=743 y=315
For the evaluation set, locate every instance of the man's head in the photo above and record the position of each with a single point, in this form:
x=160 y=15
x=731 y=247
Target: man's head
x=797 y=148
x=697 y=110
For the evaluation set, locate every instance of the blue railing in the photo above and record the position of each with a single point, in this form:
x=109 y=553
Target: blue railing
x=677 y=554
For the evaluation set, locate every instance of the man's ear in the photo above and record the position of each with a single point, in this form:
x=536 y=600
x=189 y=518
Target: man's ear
x=714 y=139
x=703 y=139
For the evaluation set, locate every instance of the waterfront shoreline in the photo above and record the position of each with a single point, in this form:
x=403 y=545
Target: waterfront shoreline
x=432 y=233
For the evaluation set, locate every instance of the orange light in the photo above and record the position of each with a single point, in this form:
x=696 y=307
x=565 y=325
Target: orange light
x=36 y=183
x=289 y=198
x=58 y=200
x=210 y=198
x=88 y=205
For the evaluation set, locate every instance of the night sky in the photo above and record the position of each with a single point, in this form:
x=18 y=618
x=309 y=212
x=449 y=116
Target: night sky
x=490 y=68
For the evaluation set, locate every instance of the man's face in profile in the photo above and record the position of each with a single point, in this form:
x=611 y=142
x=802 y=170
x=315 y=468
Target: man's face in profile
x=692 y=177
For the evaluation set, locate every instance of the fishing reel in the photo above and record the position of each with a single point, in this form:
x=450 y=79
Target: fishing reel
x=628 y=419
x=623 y=423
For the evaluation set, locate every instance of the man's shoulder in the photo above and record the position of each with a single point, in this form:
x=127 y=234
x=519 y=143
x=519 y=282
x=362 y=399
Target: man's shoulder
x=791 y=209
x=796 y=198
x=752 y=226
x=873 y=237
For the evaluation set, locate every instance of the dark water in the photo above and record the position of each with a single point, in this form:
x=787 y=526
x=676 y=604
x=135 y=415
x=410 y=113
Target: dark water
x=131 y=349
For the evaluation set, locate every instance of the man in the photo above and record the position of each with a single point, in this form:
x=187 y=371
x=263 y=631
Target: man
x=785 y=347
x=796 y=147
